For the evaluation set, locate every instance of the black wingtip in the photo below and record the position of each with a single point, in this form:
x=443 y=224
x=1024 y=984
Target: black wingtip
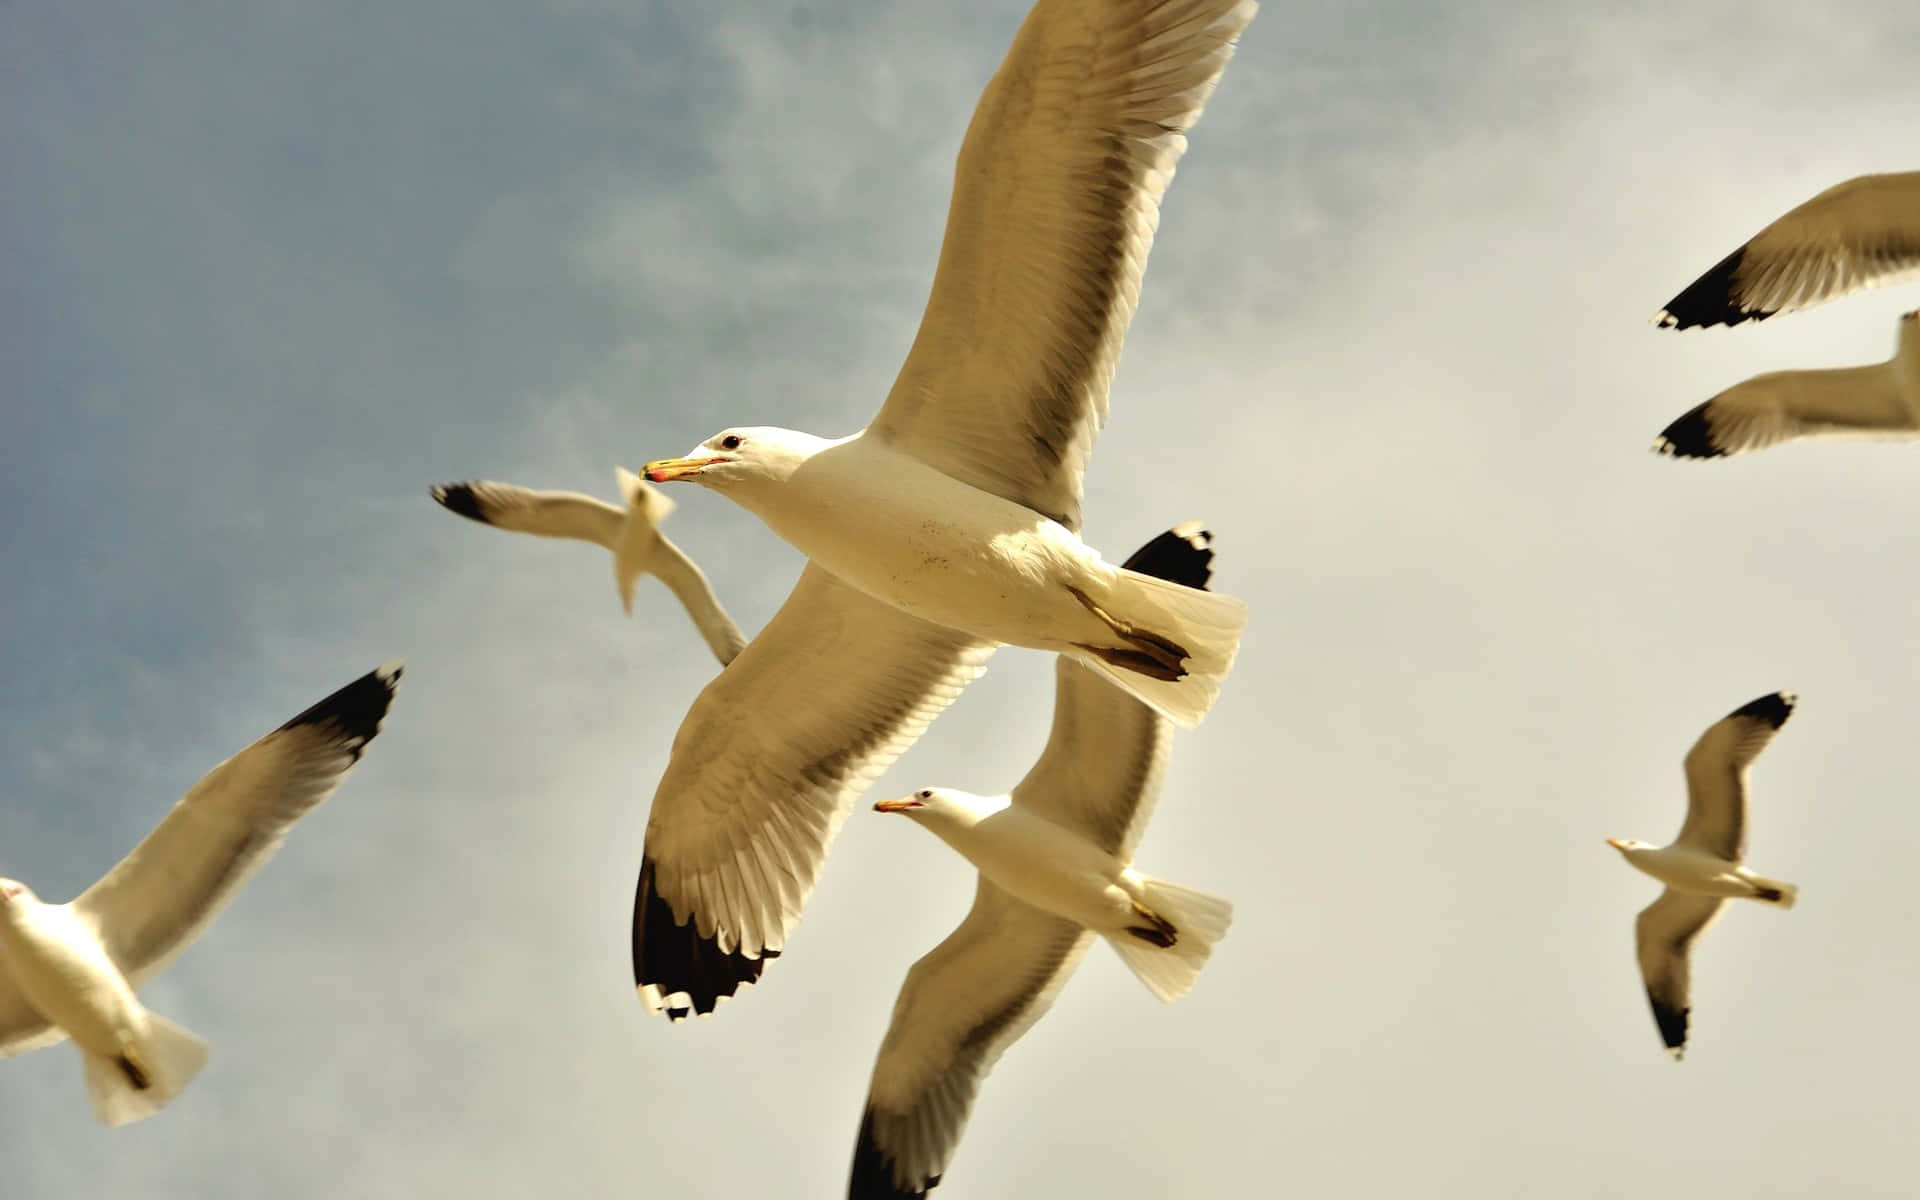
x=1710 y=299
x=873 y=1169
x=1774 y=708
x=1183 y=554
x=677 y=960
x=1691 y=436
x=1673 y=1025
x=459 y=497
x=356 y=710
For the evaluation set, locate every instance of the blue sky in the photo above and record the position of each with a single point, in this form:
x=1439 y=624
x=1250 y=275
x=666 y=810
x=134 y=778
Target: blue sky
x=273 y=269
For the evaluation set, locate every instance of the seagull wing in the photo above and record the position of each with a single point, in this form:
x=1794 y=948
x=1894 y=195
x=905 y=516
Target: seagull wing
x=1663 y=936
x=1717 y=774
x=22 y=1028
x=523 y=510
x=1784 y=405
x=764 y=769
x=962 y=1005
x=1056 y=197
x=690 y=584
x=163 y=895
x=1859 y=234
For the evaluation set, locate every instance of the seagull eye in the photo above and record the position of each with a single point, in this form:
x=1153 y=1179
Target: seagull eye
x=927 y=795
x=730 y=442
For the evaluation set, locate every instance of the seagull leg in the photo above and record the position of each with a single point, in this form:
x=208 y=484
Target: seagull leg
x=135 y=1070
x=1158 y=931
x=1151 y=654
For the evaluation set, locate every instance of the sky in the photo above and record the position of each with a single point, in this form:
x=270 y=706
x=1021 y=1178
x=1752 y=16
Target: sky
x=274 y=269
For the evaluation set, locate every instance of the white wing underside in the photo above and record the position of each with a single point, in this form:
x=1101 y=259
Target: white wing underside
x=1860 y=402
x=1664 y=934
x=1716 y=769
x=771 y=757
x=961 y=1006
x=1056 y=198
x=547 y=514
x=1105 y=757
x=21 y=1026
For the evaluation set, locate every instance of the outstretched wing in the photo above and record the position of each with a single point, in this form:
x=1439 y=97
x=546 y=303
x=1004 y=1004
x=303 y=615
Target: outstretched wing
x=1664 y=935
x=1056 y=196
x=1781 y=406
x=764 y=769
x=22 y=1028
x=1717 y=774
x=163 y=895
x=523 y=510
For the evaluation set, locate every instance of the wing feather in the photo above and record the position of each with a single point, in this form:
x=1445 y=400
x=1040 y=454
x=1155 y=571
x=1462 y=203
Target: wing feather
x=1664 y=934
x=1717 y=774
x=1056 y=197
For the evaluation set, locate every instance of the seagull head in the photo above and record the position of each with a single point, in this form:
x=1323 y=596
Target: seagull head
x=1628 y=846
x=734 y=457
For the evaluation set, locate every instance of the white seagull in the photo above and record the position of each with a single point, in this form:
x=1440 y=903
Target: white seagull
x=948 y=526
x=1702 y=868
x=1055 y=862
x=72 y=969
x=632 y=533
x=1881 y=402
x=1859 y=234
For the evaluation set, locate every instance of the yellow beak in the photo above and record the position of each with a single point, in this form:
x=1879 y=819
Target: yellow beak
x=666 y=470
x=1616 y=843
x=895 y=806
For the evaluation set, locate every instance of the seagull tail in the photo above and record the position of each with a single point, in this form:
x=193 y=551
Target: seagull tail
x=1205 y=625
x=633 y=546
x=1168 y=959
x=142 y=1081
x=1774 y=891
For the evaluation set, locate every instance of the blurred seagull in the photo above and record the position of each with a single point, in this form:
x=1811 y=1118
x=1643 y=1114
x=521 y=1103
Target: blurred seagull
x=1055 y=870
x=72 y=969
x=632 y=533
x=1880 y=402
x=1702 y=868
x=947 y=527
x=1859 y=234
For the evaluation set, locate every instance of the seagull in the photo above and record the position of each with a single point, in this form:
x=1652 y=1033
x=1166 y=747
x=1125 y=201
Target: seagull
x=1702 y=868
x=949 y=525
x=1055 y=871
x=72 y=969
x=1881 y=402
x=632 y=533
x=1859 y=234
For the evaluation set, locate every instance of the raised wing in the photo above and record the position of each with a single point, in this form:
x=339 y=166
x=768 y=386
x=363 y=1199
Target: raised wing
x=962 y=1005
x=163 y=895
x=22 y=1028
x=1664 y=935
x=1717 y=774
x=545 y=514
x=1101 y=770
x=1784 y=405
x=765 y=767
x=1056 y=197
x=1859 y=234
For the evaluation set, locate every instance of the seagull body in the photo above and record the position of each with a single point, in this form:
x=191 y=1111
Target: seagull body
x=1859 y=234
x=71 y=970
x=631 y=533
x=1055 y=863
x=1880 y=402
x=1703 y=867
x=950 y=524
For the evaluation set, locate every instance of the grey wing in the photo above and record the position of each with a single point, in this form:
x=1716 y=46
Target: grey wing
x=163 y=895
x=961 y=1006
x=1782 y=406
x=22 y=1028
x=1859 y=234
x=765 y=767
x=523 y=510
x=690 y=586
x=1664 y=935
x=1105 y=758
x=1716 y=770
x=1056 y=196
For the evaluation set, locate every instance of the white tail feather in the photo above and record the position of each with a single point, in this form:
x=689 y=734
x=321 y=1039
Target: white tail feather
x=169 y=1055
x=1207 y=625
x=1198 y=919
x=1788 y=892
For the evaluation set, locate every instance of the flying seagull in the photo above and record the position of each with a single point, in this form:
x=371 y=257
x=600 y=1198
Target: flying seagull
x=1881 y=402
x=72 y=969
x=1055 y=871
x=1859 y=234
x=632 y=533
x=949 y=525
x=1702 y=868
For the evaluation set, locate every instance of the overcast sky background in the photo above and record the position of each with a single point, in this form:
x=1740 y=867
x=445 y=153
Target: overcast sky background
x=270 y=270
